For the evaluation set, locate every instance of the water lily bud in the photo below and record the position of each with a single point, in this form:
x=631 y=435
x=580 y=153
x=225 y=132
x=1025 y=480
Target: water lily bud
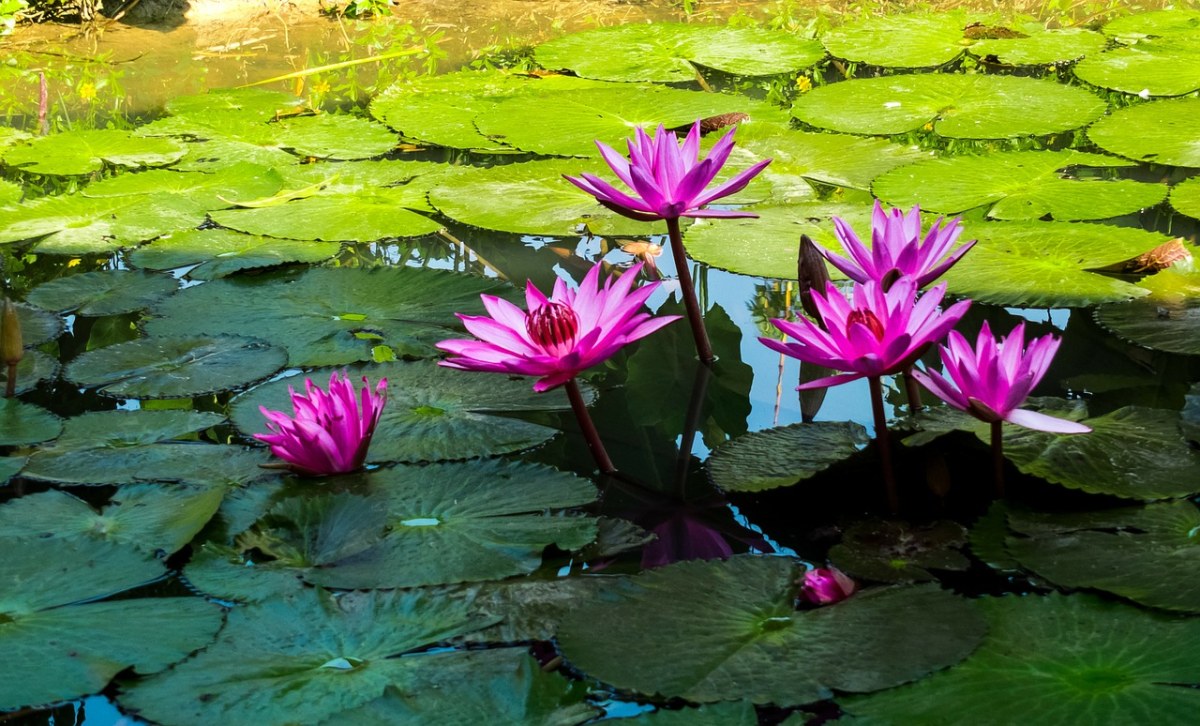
x=812 y=274
x=826 y=585
x=12 y=350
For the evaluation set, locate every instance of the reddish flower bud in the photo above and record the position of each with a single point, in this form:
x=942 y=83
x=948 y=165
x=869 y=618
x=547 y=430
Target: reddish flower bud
x=826 y=585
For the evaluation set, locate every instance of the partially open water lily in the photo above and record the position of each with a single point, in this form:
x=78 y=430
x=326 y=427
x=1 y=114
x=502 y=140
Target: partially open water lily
x=826 y=585
x=330 y=431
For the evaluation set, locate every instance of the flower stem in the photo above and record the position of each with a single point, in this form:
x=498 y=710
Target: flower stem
x=998 y=457
x=913 y=389
x=595 y=445
x=10 y=386
x=885 y=447
x=703 y=347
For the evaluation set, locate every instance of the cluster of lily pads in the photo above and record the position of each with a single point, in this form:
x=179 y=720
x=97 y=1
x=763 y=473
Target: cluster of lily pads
x=151 y=556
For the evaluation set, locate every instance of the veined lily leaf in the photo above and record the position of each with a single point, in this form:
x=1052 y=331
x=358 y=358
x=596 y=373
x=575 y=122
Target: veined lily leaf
x=1167 y=321
x=24 y=423
x=1163 y=132
x=900 y=41
x=347 y=217
x=783 y=456
x=74 y=225
x=220 y=252
x=1033 y=44
x=211 y=190
x=335 y=136
x=1185 y=197
x=82 y=152
x=1168 y=66
x=104 y=292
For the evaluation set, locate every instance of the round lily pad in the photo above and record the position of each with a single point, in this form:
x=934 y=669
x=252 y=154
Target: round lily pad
x=1185 y=197
x=191 y=463
x=1135 y=27
x=887 y=551
x=957 y=106
x=1018 y=185
x=10 y=192
x=1167 y=66
x=210 y=155
x=348 y=217
x=751 y=642
x=1163 y=132
x=220 y=252
x=77 y=225
x=24 y=423
x=34 y=367
x=10 y=466
x=1170 y=325
x=211 y=190
x=331 y=316
x=162 y=367
x=783 y=456
x=335 y=136
x=82 y=152
x=37 y=325
x=910 y=40
x=257 y=103
x=103 y=292
x=1033 y=44
x=665 y=52
x=1074 y=660
x=118 y=429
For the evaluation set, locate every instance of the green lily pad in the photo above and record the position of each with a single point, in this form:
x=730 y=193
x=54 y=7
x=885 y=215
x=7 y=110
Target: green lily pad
x=211 y=190
x=526 y=608
x=1163 y=132
x=118 y=429
x=665 y=52
x=432 y=413
x=573 y=122
x=751 y=642
x=331 y=316
x=37 y=325
x=24 y=423
x=886 y=551
x=77 y=225
x=335 y=136
x=900 y=41
x=1185 y=197
x=82 y=152
x=256 y=103
x=161 y=367
x=349 y=217
x=729 y=713
x=1153 y=67
x=1035 y=45
x=783 y=456
x=987 y=539
x=1074 y=660
x=1147 y=554
x=1136 y=27
x=1046 y=264
x=302 y=659
x=10 y=192
x=1189 y=422
x=211 y=155
x=10 y=466
x=1169 y=325
x=36 y=366
x=957 y=106
x=149 y=517
x=1018 y=185
x=10 y=136
x=220 y=252
x=352 y=177
x=103 y=292
x=65 y=646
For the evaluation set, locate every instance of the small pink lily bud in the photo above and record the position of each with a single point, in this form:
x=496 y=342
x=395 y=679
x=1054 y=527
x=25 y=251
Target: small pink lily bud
x=826 y=585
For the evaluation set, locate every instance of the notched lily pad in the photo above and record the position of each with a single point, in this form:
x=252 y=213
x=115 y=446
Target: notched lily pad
x=909 y=40
x=1171 y=325
x=783 y=456
x=24 y=423
x=1033 y=44
x=1163 y=132
x=212 y=190
x=220 y=252
x=35 y=367
x=335 y=136
x=77 y=225
x=103 y=292
x=348 y=217
x=900 y=552
x=81 y=152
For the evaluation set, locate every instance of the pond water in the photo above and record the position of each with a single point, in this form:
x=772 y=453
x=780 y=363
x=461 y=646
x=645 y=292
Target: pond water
x=486 y=571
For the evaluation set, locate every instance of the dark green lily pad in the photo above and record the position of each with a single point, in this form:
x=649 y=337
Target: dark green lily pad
x=1163 y=132
x=665 y=52
x=783 y=456
x=1161 y=324
x=34 y=367
x=1185 y=197
x=729 y=713
x=349 y=217
x=900 y=41
x=1190 y=415
x=77 y=225
x=335 y=136
x=1073 y=660
x=1018 y=185
x=1168 y=66
x=987 y=539
x=302 y=659
x=212 y=190
x=432 y=413
x=118 y=429
x=1147 y=554
x=161 y=367
x=1035 y=45
x=103 y=292
x=220 y=252
x=82 y=152
x=751 y=642
x=957 y=106
x=10 y=466
x=331 y=316
x=65 y=647
x=37 y=325
x=526 y=608
x=24 y=423
x=886 y=551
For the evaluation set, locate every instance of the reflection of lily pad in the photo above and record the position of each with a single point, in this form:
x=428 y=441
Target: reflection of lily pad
x=900 y=552
x=752 y=643
x=900 y=41
x=24 y=423
x=957 y=106
x=1073 y=660
x=104 y=292
x=1163 y=132
x=783 y=456
x=81 y=152
x=220 y=252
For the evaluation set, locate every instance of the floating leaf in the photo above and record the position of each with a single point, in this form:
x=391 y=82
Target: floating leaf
x=783 y=456
x=255 y=103
x=335 y=136
x=36 y=366
x=886 y=551
x=118 y=429
x=352 y=177
x=987 y=539
x=1185 y=197
x=37 y=325
x=103 y=292
x=10 y=136
x=1136 y=27
x=664 y=52
x=1171 y=325
x=331 y=316
x=1033 y=44
x=957 y=106
x=81 y=152
x=10 y=466
x=24 y=423
x=1073 y=660
x=752 y=643
x=526 y=608
x=1167 y=66
x=1017 y=185
x=219 y=153
x=1163 y=132
x=220 y=252
x=76 y=225
x=900 y=41
x=160 y=367
x=212 y=190
x=349 y=217
x=10 y=192
x=190 y=463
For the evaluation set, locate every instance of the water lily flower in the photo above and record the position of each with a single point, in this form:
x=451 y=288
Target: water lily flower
x=896 y=248
x=826 y=585
x=330 y=430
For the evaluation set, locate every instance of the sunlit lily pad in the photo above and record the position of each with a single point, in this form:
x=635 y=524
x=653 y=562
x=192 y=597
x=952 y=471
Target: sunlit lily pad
x=752 y=643
x=351 y=177
x=302 y=659
x=10 y=192
x=168 y=367
x=331 y=316
x=888 y=551
x=349 y=217
x=1168 y=66
x=957 y=106
x=212 y=190
x=1185 y=197
x=218 y=153
x=10 y=136
x=432 y=413
x=335 y=136
x=34 y=367
x=81 y=152
x=24 y=423
x=220 y=252
x=75 y=225
x=900 y=41
x=1170 y=325
x=1073 y=660
x=65 y=647
x=1018 y=185
x=1136 y=27
x=783 y=456
x=253 y=102
x=1163 y=132
x=665 y=52
x=1033 y=44
x=104 y=292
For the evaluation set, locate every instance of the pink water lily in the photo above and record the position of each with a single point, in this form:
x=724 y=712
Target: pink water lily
x=666 y=179
x=826 y=585
x=896 y=248
x=990 y=380
x=330 y=431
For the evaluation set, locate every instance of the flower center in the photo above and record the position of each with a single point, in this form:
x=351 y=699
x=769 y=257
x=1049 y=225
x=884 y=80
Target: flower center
x=867 y=318
x=553 y=327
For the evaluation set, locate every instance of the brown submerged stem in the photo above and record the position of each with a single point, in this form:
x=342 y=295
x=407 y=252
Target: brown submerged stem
x=998 y=456
x=913 y=389
x=595 y=445
x=884 y=443
x=703 y=347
